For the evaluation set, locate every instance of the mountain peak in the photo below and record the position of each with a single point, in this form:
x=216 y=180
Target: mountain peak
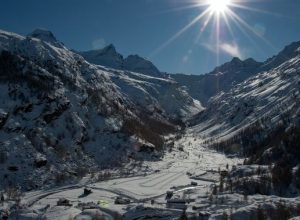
x=139 y=64
x=292 y=48
x=250 y=60
x=244 y=63
x=236 y=60
x=107 y=50
x=288 y=52
x=236 y=64
x=108 y=56
x=45 y=35
x=110 y=47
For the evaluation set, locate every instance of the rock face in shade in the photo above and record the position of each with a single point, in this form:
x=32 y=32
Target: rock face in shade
x=138 y=64
x=222 y=78
x=46 y=36
x=109 y=57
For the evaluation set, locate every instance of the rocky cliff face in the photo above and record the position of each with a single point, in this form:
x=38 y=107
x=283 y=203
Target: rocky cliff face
x=109 y=57
x=221 y=79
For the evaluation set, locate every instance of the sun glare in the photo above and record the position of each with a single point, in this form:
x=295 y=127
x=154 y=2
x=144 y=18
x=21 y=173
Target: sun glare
x=218 y=6
x=221 y=15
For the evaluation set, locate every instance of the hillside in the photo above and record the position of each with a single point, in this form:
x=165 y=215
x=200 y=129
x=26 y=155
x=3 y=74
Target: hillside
x=62 y=117
x=267 y=96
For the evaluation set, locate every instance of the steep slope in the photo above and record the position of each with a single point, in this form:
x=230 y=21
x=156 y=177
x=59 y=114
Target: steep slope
x=61 y=117
x=288 y=52
x=254 y=108
x=222 y=78
x=109 y=57
x=140 y=81
x=226 y=76
x=138 y=64
x=156 y=95
x=259 y=119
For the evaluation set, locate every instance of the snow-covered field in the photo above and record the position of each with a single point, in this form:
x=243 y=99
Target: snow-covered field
x=188 y=163
x=174 y=172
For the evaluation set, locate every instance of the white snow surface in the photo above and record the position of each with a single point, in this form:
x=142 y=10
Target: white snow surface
x=171 y=173
x=269 y=94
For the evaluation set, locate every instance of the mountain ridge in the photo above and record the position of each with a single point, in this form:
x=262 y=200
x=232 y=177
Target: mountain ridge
x=224 y=77
x=121 y=100
x=109 y=57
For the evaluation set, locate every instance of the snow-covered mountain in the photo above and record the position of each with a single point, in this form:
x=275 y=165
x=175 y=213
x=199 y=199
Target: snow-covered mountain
x=256 y=107
x=154 y=94
x=226 y=76
x=222 y=78
x=258 y=120
x=288 y=52
x=46 y=36
x=109 y=57
x=61 y=116
x=139 y=80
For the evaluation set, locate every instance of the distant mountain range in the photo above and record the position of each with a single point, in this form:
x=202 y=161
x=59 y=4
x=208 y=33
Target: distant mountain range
x=200 y=87
x=109 y=57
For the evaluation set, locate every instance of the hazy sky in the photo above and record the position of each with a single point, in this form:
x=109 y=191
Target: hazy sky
x=145 y=27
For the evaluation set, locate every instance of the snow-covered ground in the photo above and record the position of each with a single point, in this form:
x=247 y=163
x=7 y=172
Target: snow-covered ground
x=188 y=162
x=174 y=172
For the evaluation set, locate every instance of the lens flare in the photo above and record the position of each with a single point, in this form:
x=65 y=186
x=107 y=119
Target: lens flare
x=218 y=6
x=222 y=16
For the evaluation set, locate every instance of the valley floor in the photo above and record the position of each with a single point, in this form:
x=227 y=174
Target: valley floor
x=189 y=171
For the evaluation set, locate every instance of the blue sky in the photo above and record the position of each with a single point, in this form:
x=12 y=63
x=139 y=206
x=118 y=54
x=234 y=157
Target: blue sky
x=143 y=26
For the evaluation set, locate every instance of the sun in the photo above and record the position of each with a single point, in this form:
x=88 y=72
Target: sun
x=222 y=17
x=218 y=6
